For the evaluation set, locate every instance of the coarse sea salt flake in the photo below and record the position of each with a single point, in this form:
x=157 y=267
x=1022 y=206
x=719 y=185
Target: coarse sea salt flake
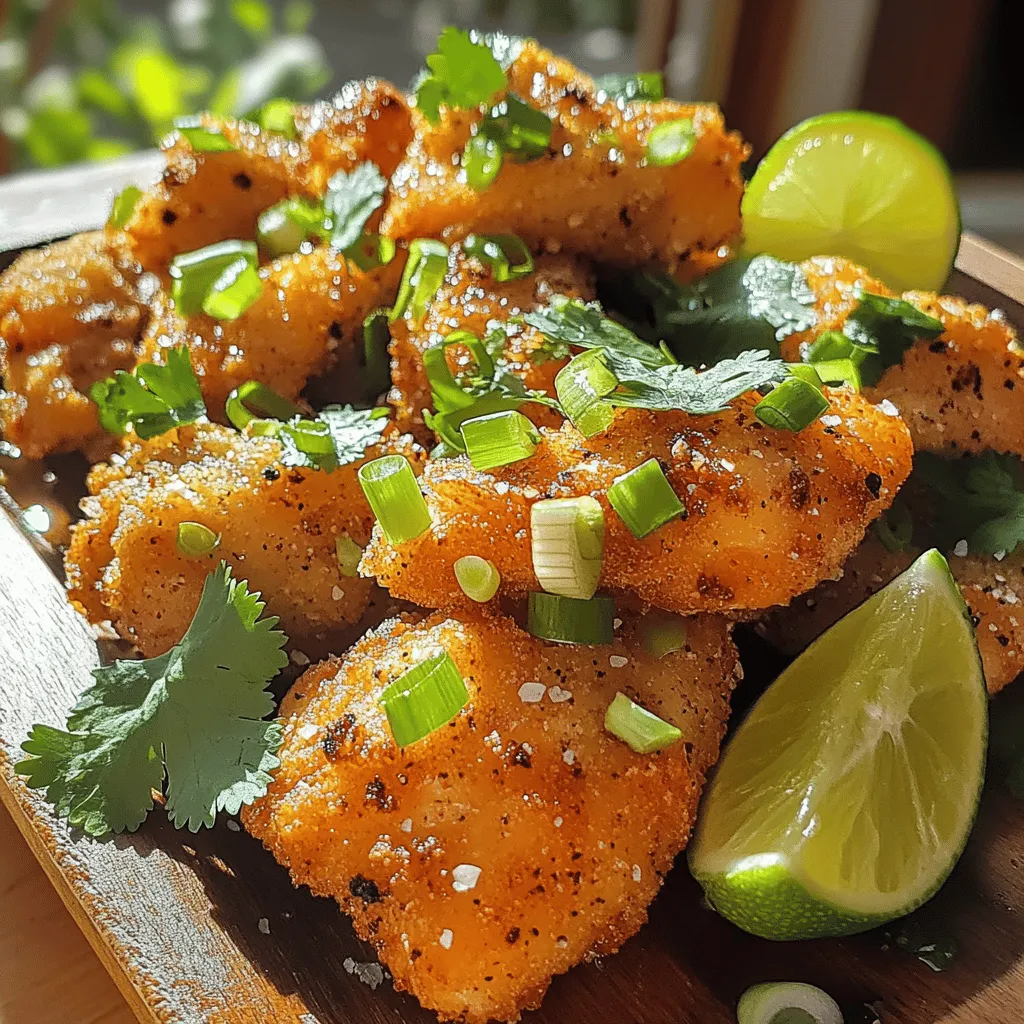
x=961 y=549
x=618 y=661
x=446 y=938
x=557 y=695
x=568 y=756
x=465 y=877
x=308 y=731
x=531 y=693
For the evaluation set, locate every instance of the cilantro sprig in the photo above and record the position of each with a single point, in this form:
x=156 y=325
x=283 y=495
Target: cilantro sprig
x=337 y=436
x=191 y=722
x=151 y=399
x=464 y=73
x=882 y=329
x=351 y=199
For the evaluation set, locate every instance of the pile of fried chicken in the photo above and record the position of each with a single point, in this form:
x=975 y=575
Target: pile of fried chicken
x=521 y=838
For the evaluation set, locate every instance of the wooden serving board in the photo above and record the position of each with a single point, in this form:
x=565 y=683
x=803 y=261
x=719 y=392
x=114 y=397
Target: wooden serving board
x=208 y=928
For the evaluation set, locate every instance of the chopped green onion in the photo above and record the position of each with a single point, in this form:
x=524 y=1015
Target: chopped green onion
x=195 y=540
x=787 y=1002
x=662 y=633
x=644 y=85
x=581 y=386
x=349 y=555
x=376 y=339
x=482 y=159
x=202 y=139
x=637 y=727
x=278 y=115
x=371 y=252
x=833 y=345
x=283 y=227
x=426 y=697
x=569 y=620
x=567 y=543
x=507 y=256
x=196 y=275
x=895 y=528
x=670 y=142
x=423 y=274
x=521 y=131
x=264 y=400
x=838 y=371
x=791 y=405
x=124 y=206
x=233 y=292
x=644 y=499
x=394 y=495
x=499 y=439
x=805 y=371
x=478 y=577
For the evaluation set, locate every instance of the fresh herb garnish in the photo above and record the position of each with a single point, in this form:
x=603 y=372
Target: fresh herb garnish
x=884 y=328
x=194 y=717
x=350 y=201
x=151 y=399
x=339 y=435
x=123 y=207
x=201 y=138
x=463 y=74
x=644 y=85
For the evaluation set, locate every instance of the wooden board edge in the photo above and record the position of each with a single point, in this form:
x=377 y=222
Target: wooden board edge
x=991 y=265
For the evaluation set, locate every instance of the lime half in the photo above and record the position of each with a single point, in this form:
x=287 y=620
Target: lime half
x=847 y=794
x=862 y=186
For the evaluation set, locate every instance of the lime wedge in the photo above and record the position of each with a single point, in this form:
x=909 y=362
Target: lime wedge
x=858 y=185
x=845 y=797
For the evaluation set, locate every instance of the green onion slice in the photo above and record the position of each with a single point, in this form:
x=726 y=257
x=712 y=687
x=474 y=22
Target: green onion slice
x=567 y=543
x=349 y=555
x=124 y=206
x=478 y=577
x=423 y=274
x=581 y=386
x=838 y=371
x=662 y=633
x=423 y=699
x=507 y=256
x=371 y=252
x=278 y=115
x=569 y=620
x=805 y=371
x=376 y=339
x=394 y=495
x=521 y=131
x=481 y=159
x=644 y=499
x=499 y=439
x=254 y=395
x=791 y=405
x=195 y=275
x=833 y=345
x=644 y=85
x=637 y=727
x=283 y=227
x=670 y=142
x=202 y=139
x=237 y=288
x=787 y=1002
x=195 y=540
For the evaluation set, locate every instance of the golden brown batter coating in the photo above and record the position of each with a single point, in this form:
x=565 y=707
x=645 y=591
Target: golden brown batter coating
x=277 y=525
x=593 y=192
x=571 y=830
x=70 y=314
x=205 y=197
x=471 y=300
x=770 y=512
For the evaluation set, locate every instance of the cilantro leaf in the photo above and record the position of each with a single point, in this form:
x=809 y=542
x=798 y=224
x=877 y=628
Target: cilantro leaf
x=885 y=328
x=151 y=399
x=339 y=435
x=350 y=201
x=978 y=498
x=195 y=716
x=464 y=73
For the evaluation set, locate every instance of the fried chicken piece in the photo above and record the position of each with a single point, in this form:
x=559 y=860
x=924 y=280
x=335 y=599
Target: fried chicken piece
x=277 y=528
x=70 y=314
x=770 y=513
x=514 y=842
x=309 y=314
x=594 y=192
x=205 y=197
x=471 y=300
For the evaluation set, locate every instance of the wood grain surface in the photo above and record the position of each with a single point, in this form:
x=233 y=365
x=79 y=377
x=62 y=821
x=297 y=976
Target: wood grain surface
x=207 y=928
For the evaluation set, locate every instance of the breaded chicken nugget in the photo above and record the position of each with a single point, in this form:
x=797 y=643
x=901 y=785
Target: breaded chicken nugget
x=277 y=527
x=594 y=191
x=205 y=197
x=70 y=314
x=309 y=314
x=517 y=840
x=471 y=300
x=770 y=513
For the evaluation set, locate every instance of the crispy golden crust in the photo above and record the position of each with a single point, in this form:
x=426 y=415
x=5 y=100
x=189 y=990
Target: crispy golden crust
x=593 y=192
x=770 y=513
x=571 y=830
x=70 y=314
x=207 y=197
x=277 y=526
x=471 y=300
x=309 y=314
